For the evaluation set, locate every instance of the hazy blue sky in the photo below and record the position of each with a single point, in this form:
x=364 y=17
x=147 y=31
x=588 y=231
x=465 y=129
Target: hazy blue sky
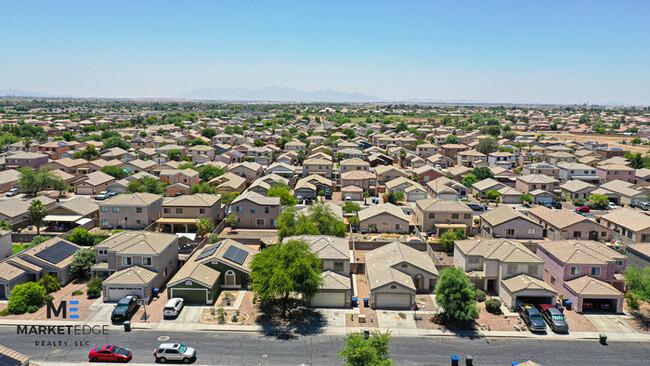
x=534 y=51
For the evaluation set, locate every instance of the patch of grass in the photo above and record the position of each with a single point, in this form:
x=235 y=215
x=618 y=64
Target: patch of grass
x=19 y=248
x=77 y=292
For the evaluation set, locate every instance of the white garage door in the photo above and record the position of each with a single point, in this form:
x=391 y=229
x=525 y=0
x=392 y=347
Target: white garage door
x=329 y=300
x=393 y=301
x=117 y=293
x=84 y=190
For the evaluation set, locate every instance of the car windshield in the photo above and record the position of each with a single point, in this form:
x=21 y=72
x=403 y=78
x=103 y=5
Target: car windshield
x=535 y=316
x=558 y=317
x=169 y=308
x=122 y=305
x=182 y=349
x=121 y=351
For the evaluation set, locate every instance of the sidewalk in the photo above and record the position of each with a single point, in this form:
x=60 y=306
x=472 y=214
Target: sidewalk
x=401 y=332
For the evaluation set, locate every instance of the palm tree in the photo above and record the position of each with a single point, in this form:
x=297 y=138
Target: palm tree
x=36 y=212
x=402 y=158
x=27 y=142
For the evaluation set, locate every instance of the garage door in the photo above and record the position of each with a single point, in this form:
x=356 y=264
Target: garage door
x=84 y=190
x=393 y=301
x=3 y=292
x=329 y=300
x=600 y=305
x=191 y=296
x=535 y=300
x=117 y=293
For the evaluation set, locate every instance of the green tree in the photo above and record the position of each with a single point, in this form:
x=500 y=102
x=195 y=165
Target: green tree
x=209 y=172
x=526 y=198
x=469 y=180
x=82 y=237
x=202 y=188
x=493 y=195
x=285 y=197
x=209 y=133
x=487 y=146
x=451 y=139
x=362 y=351
x=636 y=161
x=482 y=173
x=401 y=127
x=284 y=269
x=116 y=141
x=226 y=199
x=204 y=226
x=36 y=212
x=147 y=184
x=32 y=181
x=82 y=260
x=493 y=130
x=59 y=185
x=89 y=152
x=638 y=279
x=26 y=295
x=258 y=142
x=600 y=201
x=5 y=225
x=114 y=171
x=455 y=294
x=232 y=221
x=354 y=221
x=510 y=135
x=174 y=154
x=351 y=207
x=447 y=239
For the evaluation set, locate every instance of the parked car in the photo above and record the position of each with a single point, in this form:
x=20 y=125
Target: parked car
x=125 y=308
x=532 y=318
x=587 y=305
x=110 y=353
x=547 y=204
x=174 y=352
x=348 y=199
x=557 y=204
x=612 y=206
x=645 y=206
x=101 y=196
x=554 y=318
x=12 y=192
x=583 y=209
x=112 y=194
x=477 y=207
x=605 y=306
x=173 y=307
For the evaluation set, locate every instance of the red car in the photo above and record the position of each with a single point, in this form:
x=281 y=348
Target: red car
x=583 y=209
x=110 y=353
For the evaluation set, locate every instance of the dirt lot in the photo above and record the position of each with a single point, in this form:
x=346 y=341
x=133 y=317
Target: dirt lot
x=611 y=140
x=64 y=294
x=641 y=318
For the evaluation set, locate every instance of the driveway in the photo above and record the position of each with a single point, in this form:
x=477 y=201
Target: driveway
x=396 y=320
x=611 y=323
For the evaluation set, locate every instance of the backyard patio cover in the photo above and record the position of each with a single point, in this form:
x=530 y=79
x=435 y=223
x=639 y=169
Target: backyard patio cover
x=62 y=218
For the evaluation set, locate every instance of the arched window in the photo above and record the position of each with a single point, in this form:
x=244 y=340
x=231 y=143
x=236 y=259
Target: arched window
x=230 y=278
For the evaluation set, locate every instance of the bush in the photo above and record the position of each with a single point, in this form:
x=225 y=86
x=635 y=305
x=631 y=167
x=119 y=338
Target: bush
x=480 y=296
x=32 y=309
x=77 y=292
x=82 y=237
x=52 y=283
x=579 y=202
x=4 y=312
x=95 y=283
x=213 y=238
x=93 y=292
x=632 y=301
x=48 y=298
x=493 y=306
x=39 y=239
x=25 y=295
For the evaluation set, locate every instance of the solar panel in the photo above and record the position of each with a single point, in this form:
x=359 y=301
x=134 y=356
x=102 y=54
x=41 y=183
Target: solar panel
x=208 y=251
x=55 y=253
x=236 y=255
x=9 y=361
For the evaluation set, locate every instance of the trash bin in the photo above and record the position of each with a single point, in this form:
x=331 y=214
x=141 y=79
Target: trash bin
x=454 y=360
x=568 y=304
x=366 y=302
x=355 y=301
x=366 y=333
x=515 y=363
x=469 y=360
x=602 y=338
x=156 y=291
x=127 y=326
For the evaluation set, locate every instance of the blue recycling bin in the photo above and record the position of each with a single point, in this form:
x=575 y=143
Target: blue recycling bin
x=156 y=291
x=515 y=363
x=366 y=302
x=455 y=360
x=568 y=304
x=355 y=301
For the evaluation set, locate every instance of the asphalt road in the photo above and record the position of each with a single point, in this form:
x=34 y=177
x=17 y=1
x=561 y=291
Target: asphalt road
x=221 y=348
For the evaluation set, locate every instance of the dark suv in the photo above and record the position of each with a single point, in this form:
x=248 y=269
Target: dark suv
x=532 y=318
x=125 y=309
x=554 y=318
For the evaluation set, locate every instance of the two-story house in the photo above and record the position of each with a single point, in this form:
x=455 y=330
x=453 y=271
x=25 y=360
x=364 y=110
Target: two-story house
x=608 y=172
x=438 y=215
x=182 y=213
x=426 y=150
x=387 y=173
x=587 y=273
x=24 y=159
x=541 y=168
x=135 y=263
x=628 y=225
x=471 y=158
x=529 y=183
x=578 y=171
x=133 y=211
x=383 y=218
x=565 y=224
x=246 y=170
x=256 y=211
x=317 y=166
x=502 y=159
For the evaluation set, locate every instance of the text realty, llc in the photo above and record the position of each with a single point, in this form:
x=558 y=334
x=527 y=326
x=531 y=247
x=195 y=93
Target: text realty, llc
x=57 y=330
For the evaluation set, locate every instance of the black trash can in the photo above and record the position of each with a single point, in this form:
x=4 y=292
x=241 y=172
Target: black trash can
x=127 y=326
x=355 y=301
x=469 y=360
x=602 y=338
x=366 y=333
x=366 y=301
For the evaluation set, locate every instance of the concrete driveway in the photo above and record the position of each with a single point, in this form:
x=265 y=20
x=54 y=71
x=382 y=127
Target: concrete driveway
x=610 y=323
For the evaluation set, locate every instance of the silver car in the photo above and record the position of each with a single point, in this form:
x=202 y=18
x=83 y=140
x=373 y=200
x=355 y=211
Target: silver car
x=174 y=352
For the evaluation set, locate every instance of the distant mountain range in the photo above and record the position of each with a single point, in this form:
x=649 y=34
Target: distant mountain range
x=24 y=94
x=279 y=94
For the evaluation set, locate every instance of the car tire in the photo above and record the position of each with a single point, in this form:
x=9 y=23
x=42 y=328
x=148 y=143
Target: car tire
x=121 y=360
x=162 y=360
x=186 y=360
x=94 y=359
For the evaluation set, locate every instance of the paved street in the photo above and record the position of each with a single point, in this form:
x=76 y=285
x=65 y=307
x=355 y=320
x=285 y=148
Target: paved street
x=222 y=348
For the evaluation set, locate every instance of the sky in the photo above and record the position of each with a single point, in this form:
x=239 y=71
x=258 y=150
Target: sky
x=488 y=51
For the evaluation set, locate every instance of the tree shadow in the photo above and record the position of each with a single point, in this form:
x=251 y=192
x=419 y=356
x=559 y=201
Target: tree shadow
x=298 y=320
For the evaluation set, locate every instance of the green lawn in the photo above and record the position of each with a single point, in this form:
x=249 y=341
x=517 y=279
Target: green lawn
x=20 y=248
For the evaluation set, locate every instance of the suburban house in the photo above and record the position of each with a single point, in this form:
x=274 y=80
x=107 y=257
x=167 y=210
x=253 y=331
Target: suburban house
x=502 y=159
x=282 y=169
x=137 y=166
x=427 y=173
x=619 y=192
x=387 y=173
x=182 y=213
x=446 y=189
x=14 y=210
x=224 y=265
x=628 y=225
x=505 y=222
x=505 y=267
x=585 y=272
x=135 y=263
x=9 y=179
x=353 y=164
x=451 y=150
x=541 y=168
x=247 y=170
x=24 y=159
x=360 y=178
x=256 y=211
x=94 y=183
x=578 y=171
x=188 y=177
x=608 y=172
x=228 y=183
x=436 y=215
x=334 y=253
x=383 y=218
x=577 y=189
x=317 y=166
x=426 y=150
x=488 y=184
x=133 y=211
x=396 y=273
x=565 y=224
x=471 y=159
x=529 y=183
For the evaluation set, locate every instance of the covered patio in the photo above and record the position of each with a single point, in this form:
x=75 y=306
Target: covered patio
x=176 y=225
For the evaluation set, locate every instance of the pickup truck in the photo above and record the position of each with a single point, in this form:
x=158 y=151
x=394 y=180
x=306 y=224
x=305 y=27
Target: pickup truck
x=532 y=318
x=554 y=318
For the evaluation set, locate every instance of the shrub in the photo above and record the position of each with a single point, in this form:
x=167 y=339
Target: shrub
x=48 y=297
x=4 y=312
x=82 y=237
x=632 y=301
x=77 y=292
x=93 y=292
x=480 y=296
x=579 y=202
x=213 y=238
x=39 y=239
x=25 y=295
x=493 y=306
x=95 y=283
x=50 y=283
x=32 y=309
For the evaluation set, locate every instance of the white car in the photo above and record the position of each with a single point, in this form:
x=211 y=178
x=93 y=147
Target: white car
x=173 y=307
x=612 y=206
x=102 y=196
x=12 y=192
x=174 y=352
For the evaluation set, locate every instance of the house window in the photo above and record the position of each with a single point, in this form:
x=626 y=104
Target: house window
x=531 y=231
x=338 y=266
x=398 y=226
x=595 y=271
x=552 y=280
x=138 y=210
x=260 y=222
x=467 y=216
x=179 y=210
x=510 y=232
x=454 y=216
x=619 y=263
x=575 y=271
x=252 y=209
x=512 y=269
x=147 y=261
x=175 y=180
x=167 y=210
x=473 y=260
x=116 y=209
x=127 y=261
x=105 y=223
x=532 y=270
x=238 y=208
x=432 y=215
x=201 y=211
x=104 y=209
x=576 y=234
x=101 y=251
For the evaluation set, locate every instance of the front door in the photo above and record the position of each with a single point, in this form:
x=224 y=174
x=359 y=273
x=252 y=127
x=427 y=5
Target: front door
x=593 y=235
x=490 y=285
